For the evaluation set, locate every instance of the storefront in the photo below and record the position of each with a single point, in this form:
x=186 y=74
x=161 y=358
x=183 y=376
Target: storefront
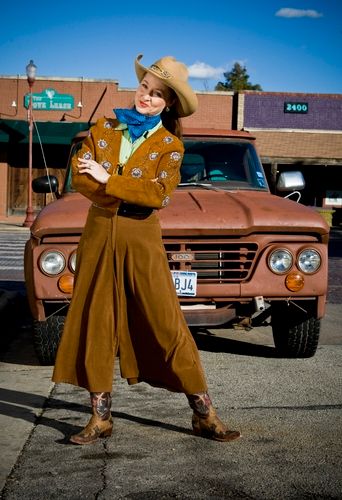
x=293 y=132
x=299 y=132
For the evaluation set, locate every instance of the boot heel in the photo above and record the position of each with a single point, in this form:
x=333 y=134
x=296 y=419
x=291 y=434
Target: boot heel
x=107 y=433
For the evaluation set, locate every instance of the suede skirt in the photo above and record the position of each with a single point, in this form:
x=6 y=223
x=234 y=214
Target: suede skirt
x=124 y=304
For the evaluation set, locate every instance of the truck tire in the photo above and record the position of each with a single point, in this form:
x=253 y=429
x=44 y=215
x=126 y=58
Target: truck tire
x=295 y=331
x=46 y=336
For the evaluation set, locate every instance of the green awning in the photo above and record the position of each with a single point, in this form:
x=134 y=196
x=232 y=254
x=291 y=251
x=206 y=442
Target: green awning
x=17 y=131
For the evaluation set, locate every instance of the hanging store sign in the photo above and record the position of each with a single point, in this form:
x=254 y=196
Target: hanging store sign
x=50 y=100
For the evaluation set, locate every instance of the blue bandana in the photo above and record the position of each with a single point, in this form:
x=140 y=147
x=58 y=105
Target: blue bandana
x=136 y=122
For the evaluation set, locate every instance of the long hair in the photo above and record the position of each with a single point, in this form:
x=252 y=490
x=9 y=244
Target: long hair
x=170 y=118
x=171 y=122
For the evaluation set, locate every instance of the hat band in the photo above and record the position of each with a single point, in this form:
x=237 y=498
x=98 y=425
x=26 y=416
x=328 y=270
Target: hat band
x=160 y=71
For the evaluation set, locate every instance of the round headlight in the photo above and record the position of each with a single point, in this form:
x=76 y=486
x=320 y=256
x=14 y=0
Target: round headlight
x=309 y=261
x=280 y=261
x=72 y=261
x=52 y=262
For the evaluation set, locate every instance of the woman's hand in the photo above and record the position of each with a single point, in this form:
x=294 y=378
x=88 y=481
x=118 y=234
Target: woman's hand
x=94 y=169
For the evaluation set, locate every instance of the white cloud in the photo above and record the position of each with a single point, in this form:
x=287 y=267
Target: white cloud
x=203 y=71
x=287 y=12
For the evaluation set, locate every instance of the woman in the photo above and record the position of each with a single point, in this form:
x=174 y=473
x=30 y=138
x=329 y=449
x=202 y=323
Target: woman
x=124 y=302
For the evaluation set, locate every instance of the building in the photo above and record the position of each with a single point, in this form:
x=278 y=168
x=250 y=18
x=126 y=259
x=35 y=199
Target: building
x=293 y=131
x=298 y=132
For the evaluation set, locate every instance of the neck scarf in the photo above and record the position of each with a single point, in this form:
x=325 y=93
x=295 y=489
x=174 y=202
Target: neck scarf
x=136 y=122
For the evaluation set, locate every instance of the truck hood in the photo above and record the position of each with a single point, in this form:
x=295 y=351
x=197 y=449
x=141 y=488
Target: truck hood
x=67 y=215
x=237 y=212
x=198 y=212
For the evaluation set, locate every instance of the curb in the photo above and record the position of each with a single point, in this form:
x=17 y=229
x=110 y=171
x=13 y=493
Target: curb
x=11 y=226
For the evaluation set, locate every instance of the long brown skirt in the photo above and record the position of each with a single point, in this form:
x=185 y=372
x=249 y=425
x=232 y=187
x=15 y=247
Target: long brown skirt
x=125 y=304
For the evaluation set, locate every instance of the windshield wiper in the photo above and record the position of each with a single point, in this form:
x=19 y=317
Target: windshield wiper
x=204 y=185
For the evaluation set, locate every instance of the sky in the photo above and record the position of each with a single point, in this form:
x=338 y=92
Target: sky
x=285 y=45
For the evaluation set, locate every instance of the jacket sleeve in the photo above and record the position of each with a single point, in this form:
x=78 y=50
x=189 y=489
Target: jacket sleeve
x=148 y=192
x=85 y=183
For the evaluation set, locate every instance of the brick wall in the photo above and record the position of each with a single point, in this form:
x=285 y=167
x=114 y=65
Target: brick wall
x=266 y=110
x=99 y=97
x=214 y=111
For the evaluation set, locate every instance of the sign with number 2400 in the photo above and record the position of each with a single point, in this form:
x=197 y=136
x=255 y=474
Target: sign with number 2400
x=185 y=283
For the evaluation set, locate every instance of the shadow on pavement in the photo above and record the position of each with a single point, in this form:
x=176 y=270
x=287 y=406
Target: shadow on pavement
x=15 y=315
x=12 y=404
x=206 y=341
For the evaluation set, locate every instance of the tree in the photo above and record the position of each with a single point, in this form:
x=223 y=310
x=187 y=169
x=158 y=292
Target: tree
x=237 y=79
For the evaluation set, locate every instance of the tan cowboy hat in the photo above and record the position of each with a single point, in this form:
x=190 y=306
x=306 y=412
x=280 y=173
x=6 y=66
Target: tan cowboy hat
x=174 y=74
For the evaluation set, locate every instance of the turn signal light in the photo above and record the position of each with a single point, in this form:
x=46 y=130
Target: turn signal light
x=294 y=282
x=66 y=283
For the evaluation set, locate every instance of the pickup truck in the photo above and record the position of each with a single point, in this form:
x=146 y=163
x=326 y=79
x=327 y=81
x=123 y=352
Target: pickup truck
x=239 y=255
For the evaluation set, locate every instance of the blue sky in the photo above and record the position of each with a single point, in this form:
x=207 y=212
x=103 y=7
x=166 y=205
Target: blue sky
x=287 y=45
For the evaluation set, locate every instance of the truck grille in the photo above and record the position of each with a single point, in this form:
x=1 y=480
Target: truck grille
x=214 y=262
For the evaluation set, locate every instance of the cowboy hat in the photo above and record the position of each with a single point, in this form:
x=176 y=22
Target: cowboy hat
x=173 y=74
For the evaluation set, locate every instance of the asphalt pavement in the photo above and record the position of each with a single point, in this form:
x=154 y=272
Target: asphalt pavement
x=289 y=412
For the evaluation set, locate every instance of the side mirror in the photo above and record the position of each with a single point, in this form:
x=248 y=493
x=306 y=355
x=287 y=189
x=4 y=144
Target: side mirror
x=291 y=181
x=45 y=184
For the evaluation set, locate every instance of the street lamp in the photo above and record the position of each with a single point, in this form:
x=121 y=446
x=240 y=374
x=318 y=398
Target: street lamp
x=31 y=70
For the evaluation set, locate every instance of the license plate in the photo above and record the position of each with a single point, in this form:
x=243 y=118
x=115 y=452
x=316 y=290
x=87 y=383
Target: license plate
x=185 y=283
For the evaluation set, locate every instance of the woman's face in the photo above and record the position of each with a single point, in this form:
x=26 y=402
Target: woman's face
x=152 y=96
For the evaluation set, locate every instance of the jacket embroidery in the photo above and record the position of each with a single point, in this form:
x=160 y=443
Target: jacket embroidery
x=175 y=156
x=106 y=164
x=166 y=201
x=136 y=172
x=102 y=143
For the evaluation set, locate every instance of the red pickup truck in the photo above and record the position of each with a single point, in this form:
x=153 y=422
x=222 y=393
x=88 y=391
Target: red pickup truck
x=239 y=255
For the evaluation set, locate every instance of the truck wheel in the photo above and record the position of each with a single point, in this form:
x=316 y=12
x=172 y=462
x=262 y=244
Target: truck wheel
x=46 y=336
x=295 y=332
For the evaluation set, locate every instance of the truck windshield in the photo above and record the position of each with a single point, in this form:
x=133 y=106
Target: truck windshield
x=67 y=183
x=227 y=163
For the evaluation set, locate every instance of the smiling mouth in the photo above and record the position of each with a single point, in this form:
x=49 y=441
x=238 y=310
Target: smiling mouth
x=143 y=104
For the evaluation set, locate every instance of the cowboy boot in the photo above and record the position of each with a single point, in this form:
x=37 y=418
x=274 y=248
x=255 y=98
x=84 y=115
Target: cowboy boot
x=101 y=422
x=205 y=422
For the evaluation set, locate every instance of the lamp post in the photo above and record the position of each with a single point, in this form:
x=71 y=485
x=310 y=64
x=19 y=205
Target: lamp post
x=31 y=69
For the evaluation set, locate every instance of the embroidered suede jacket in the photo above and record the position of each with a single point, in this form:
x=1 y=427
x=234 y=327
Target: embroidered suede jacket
x=158 y=157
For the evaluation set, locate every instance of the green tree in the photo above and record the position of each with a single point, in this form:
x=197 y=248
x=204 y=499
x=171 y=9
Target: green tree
x=237 y=79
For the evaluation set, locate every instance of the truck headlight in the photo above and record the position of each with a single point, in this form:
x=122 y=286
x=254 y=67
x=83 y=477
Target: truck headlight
x=280 y=261
x=309 y=261
x=52 y=262
x=72 y=261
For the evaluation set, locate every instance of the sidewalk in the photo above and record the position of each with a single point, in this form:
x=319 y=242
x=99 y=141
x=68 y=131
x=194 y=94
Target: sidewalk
x=12 y=223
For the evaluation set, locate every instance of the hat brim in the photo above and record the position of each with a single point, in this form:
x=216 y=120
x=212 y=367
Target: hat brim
x=187 y=99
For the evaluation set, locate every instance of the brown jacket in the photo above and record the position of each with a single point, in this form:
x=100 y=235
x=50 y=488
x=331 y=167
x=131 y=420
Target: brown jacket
x=159 y=157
